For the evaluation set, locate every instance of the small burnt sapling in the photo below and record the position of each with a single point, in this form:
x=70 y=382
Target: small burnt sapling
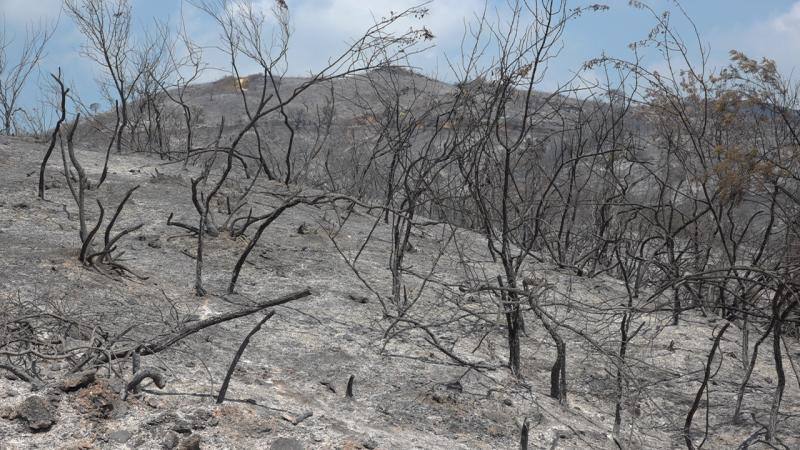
x=78 y=183
x=105 y=256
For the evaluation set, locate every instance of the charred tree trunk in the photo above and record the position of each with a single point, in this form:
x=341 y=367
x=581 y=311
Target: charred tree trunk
x=687 y=426
x=558 y=373
x=63 y=110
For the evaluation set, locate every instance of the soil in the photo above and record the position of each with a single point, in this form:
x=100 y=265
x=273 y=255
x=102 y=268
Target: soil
x=406 y=394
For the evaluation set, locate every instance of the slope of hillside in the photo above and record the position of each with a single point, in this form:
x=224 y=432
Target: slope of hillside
x=407 y=395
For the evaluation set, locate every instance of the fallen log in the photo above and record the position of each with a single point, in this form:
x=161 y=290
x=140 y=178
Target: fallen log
x=188 y=330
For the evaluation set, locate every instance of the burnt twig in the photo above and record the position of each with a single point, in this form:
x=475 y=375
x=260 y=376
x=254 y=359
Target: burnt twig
x=224 y=389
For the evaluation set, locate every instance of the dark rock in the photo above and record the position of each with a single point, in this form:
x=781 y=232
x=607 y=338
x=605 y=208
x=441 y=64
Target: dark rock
x=35 y=411
x=77 y=381
x=370 y=444
x=190 y=443
x=170 y=440
x=358 y=298
x=200 y=419
x=286 y=444
x=455 y=386
x=305 y=228
x=508 y=402
x=182 y=426
x=121 y=436
x=9 y=376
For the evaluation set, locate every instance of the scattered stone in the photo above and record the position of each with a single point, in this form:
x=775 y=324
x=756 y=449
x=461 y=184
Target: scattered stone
x=190 y=443
x=202 y=418
x=35 y=411
x=182 y=426
x=305 y=228
x=161 y=419
x=8 y=393
x=455 y=386
x=439 y=396
x=295 y=420
x=8 y=413
x=358 y=298
x=120 y=436
x=53 y=184
x=508 y=402
x=287 y=444
x=170 y=440
x=100 y=400
x=77 y=381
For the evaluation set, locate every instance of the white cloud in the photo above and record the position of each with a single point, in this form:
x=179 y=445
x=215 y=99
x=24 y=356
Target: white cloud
x=776 y=37
x=788 y=22
x=322 y=28
x=350 y=17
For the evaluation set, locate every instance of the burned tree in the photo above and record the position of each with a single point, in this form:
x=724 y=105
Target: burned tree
x=15 y=72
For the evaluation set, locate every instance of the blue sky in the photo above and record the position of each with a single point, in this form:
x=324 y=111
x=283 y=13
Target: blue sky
x=768 y=28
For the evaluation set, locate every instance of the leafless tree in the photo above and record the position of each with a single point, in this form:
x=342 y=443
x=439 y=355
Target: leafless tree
x=16 y=71
x=246 y=34
x=106 y=26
